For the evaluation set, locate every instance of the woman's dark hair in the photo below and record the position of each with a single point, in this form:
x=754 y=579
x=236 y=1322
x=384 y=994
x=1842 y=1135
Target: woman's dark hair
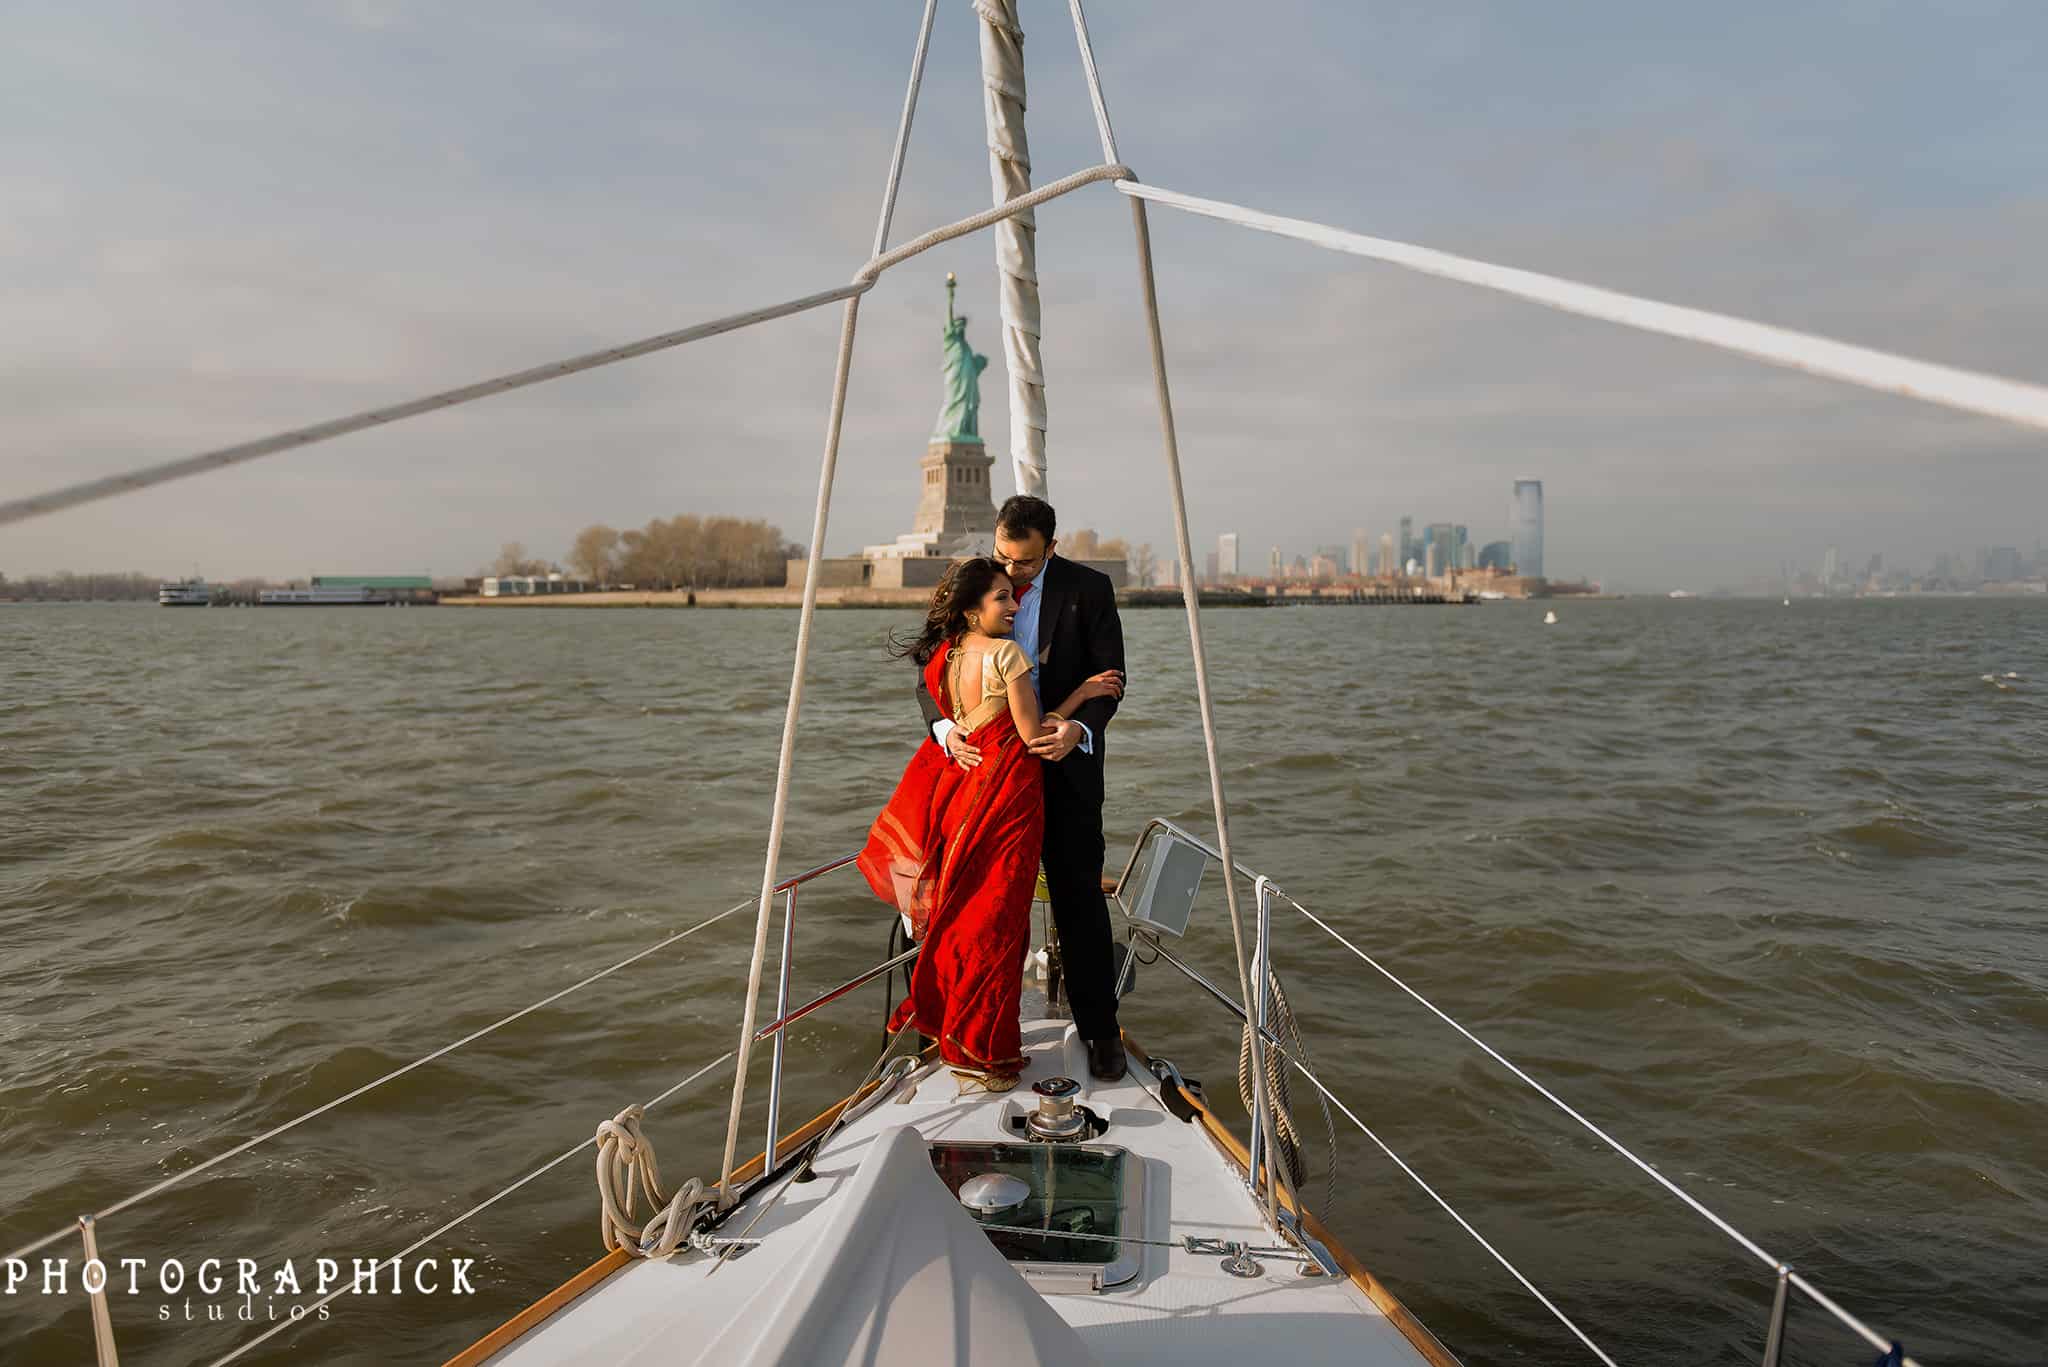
x=1022 y=513
x=963 y=588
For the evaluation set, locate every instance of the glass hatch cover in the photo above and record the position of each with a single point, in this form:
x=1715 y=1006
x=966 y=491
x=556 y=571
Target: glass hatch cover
x=1068 y=1189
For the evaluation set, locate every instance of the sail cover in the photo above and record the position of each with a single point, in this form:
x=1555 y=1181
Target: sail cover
x=899 y=1274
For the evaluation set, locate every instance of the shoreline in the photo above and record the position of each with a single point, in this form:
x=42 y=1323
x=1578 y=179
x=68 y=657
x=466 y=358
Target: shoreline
x=828 y=597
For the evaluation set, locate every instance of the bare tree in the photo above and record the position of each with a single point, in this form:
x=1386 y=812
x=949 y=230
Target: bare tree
x=595 y=554
x=513 y=559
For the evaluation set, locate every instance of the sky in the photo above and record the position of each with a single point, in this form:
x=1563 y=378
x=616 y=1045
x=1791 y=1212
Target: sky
x=219 y=220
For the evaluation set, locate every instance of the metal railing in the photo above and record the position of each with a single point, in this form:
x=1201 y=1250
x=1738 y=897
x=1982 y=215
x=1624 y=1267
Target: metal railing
x=784 y=1016
x=1784 y=1278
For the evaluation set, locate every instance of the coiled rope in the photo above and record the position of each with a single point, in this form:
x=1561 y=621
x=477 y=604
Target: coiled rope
x=626 y=1169
x=1287 y=1138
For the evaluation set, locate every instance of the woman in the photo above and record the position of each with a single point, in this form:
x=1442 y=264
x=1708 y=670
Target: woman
x=956 y=850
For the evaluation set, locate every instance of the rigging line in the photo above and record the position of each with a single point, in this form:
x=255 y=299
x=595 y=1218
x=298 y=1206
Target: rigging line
x=785 y=761
x=1464 y=1224
x=1749 y=1244
x=1253 y=1250
x=1205 y=704
x=187 y=1174
x=476 y=1209
x=1969 y=391
x=148 y=476
x=1094 y=81
x=93 y=490
x=827 y=467
x=924 y=42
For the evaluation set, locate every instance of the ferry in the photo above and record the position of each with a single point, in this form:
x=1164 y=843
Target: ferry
x=184 y=593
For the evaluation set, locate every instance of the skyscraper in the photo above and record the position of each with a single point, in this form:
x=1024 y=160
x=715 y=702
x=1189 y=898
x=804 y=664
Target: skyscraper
x=1360 y=550
x=1527 y=519
x=1226 y=556
x=1387 y=562
x=1408 y=548
x=1440 y=541
x=1274 y=566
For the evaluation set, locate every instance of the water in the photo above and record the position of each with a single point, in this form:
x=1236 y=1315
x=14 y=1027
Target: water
x=1757 y=887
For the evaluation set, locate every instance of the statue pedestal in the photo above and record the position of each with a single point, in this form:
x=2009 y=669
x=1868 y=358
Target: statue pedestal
x=956 y=502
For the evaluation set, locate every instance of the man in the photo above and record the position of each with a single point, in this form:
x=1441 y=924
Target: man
x=1068 y=628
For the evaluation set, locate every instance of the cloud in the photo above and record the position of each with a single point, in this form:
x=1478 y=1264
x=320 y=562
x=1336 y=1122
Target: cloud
x=261 y=218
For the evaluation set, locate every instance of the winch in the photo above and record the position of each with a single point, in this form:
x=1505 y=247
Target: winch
x=1057 y=1118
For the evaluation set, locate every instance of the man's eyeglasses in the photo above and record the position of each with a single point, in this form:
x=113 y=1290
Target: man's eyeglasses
x=1012 y=564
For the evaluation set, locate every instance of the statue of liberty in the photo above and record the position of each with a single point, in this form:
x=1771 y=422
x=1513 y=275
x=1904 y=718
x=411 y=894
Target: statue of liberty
x=960 y=419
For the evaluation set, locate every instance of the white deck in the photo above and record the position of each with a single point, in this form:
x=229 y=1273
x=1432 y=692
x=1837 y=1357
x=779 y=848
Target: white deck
x=1181 y=1307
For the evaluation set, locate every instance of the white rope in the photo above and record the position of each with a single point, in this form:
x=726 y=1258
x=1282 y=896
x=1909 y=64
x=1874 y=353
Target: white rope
x=92 y=491
x=1463 y=1223
x=1009 y=170
x=187 y=1174
x=148 y=476
x=476 y=1209
x=785 y=759
x=1750 y=1245
x=1990 y=395
x=827 y=468
x=626 y=1167
x=924 y=42
x=1191 y=596
x=1102 y=127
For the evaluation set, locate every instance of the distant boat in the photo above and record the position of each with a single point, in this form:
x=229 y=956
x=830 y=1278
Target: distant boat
x=184 y=593
x=1680 y=593
x=1788 y=602
x=1550 y=619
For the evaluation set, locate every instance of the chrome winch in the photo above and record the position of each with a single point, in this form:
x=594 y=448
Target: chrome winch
x=1057 y=1119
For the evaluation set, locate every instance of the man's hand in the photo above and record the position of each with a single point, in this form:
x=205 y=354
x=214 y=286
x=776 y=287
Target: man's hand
x=1058 y=743
x=964 y=755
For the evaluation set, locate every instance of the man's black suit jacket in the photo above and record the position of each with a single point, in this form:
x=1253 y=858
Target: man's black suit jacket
x=1079 y=635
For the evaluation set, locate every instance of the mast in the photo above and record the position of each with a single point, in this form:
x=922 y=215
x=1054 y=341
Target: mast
x=1009 y=169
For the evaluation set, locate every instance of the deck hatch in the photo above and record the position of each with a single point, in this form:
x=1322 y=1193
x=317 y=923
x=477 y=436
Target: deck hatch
x=1074 y=1189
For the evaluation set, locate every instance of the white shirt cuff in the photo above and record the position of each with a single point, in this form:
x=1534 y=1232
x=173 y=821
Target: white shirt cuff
x=941 y=729
x=1087 y=745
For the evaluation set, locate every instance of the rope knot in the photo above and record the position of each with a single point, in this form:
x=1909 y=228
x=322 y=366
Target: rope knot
x=626 y=1167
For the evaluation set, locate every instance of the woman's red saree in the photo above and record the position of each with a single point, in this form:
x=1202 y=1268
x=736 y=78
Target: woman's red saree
x=957 y=850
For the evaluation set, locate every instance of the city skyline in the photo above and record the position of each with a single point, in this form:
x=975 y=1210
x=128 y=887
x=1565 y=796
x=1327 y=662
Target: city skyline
x=160 y=304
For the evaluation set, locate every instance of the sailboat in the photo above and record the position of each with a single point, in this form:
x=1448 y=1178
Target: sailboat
x=1073 y=1220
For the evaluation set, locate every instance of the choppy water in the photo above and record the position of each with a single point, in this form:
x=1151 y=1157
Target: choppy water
x=1760 y=888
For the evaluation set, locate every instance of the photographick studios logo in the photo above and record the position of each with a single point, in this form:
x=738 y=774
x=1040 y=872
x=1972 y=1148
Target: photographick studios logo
x=222 y=1289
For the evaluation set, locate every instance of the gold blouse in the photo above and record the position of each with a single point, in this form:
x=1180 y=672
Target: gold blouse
x=1000 y=666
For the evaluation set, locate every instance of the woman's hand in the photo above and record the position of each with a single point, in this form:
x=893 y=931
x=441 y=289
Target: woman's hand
x=1108 y=684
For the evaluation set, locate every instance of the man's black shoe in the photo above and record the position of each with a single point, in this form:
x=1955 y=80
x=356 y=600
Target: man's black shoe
x=1106 y=1061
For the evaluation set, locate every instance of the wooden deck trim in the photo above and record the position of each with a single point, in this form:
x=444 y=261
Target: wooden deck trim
x=1388 y=1303
x=534 y=1315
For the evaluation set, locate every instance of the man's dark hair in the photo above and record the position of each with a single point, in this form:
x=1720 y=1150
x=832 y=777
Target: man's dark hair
x=1022 y=513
